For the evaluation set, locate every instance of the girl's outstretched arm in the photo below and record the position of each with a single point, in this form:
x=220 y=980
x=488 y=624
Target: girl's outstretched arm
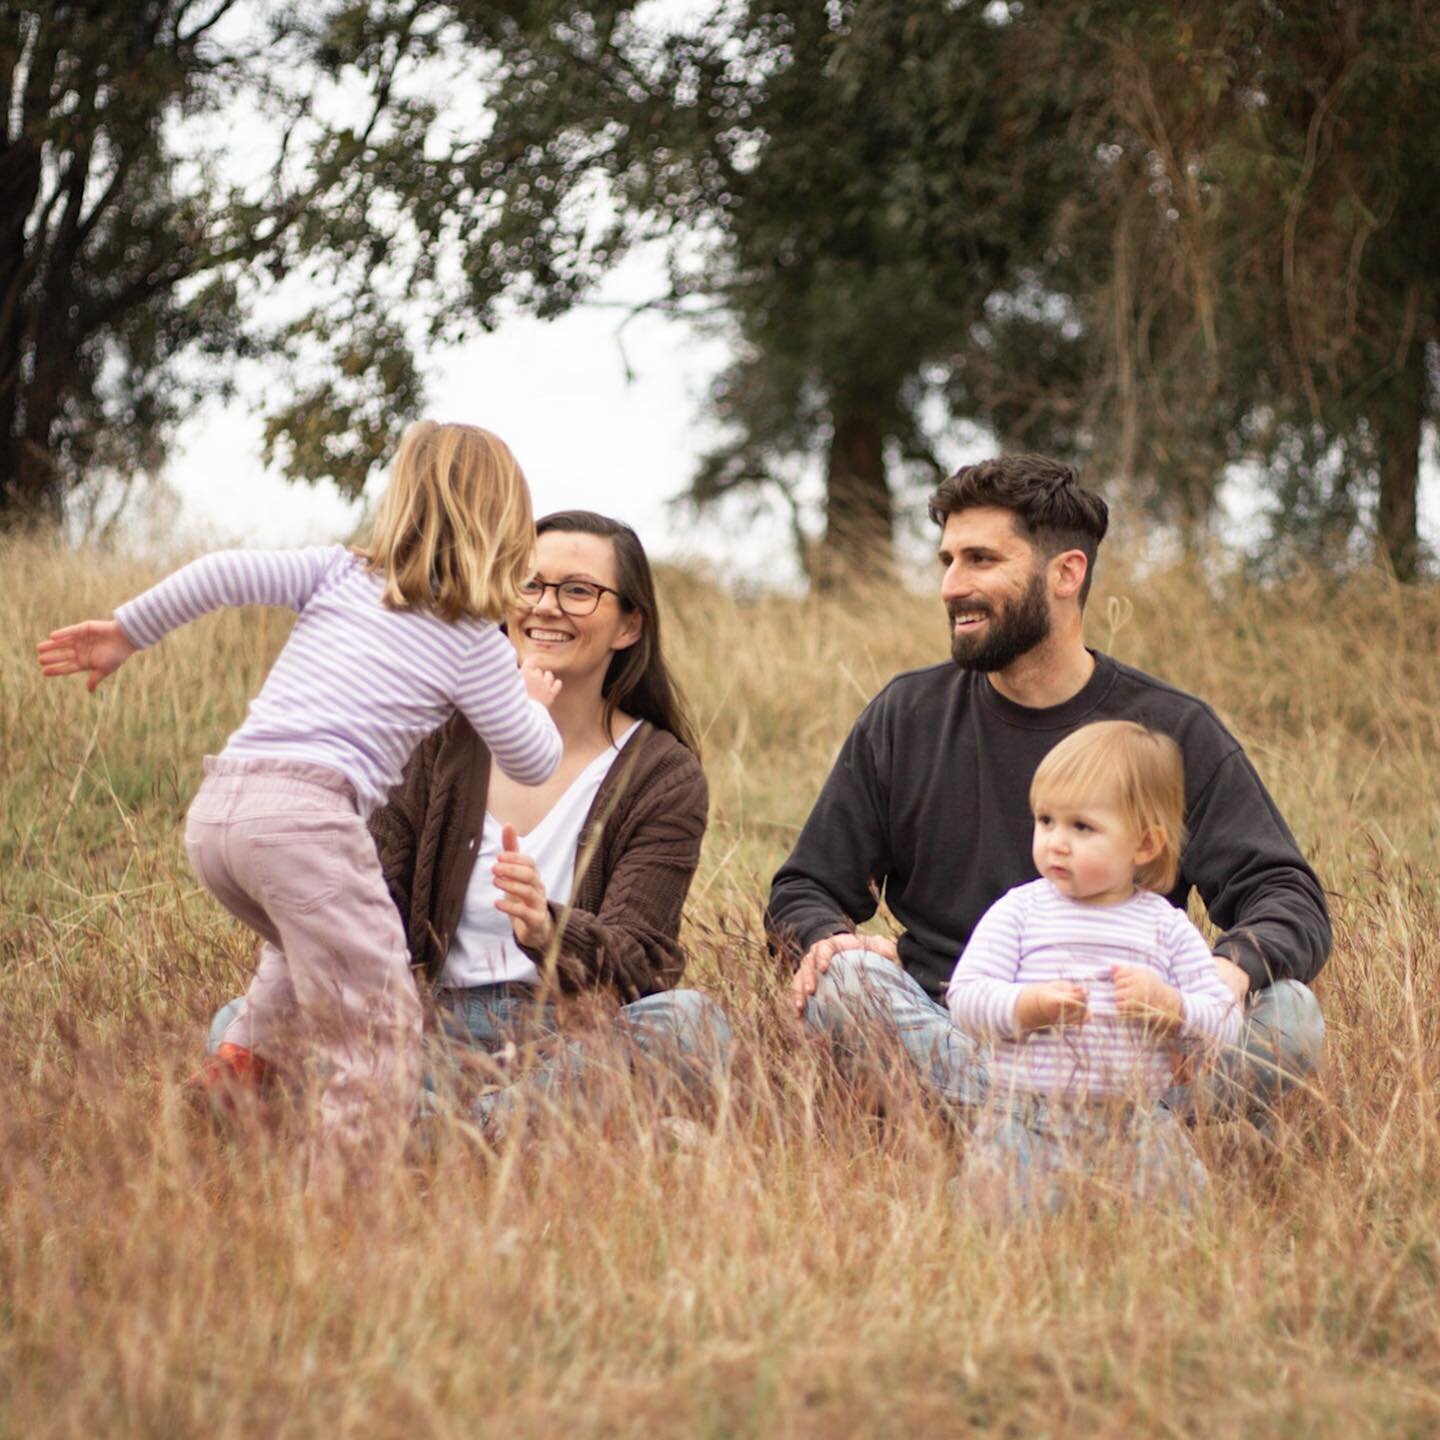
x=99 y=646
x=229 y=577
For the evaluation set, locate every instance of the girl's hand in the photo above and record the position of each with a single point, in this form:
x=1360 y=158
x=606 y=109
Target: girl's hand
x=524 y=901
x=99 y=646
x=540 y=683
x=1142 y=995
x=1060 y=1002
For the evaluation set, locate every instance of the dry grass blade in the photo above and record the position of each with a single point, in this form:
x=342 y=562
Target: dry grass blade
x=801 y=1270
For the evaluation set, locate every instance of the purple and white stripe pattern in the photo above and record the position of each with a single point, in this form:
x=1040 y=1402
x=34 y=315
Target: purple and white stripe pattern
x=1034 y=935
x=357 y=686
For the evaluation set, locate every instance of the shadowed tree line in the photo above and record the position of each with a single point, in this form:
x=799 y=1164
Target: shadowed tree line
x=1162 y=239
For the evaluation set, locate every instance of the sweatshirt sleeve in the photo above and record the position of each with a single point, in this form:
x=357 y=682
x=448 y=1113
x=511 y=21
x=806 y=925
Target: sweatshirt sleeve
x=631 y=943
x=397 y=826
x=491 y=695
x=226 y=578
x=1256 y=885
x=984 y=992
x=1208 y=1012
x=829 y=884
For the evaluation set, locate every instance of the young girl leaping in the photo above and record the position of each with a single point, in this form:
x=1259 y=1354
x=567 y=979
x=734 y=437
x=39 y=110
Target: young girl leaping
x=1087 y=979
x=391 y=638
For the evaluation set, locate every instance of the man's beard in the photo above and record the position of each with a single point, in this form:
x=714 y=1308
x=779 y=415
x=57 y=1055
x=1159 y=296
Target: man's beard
x=1009 y=633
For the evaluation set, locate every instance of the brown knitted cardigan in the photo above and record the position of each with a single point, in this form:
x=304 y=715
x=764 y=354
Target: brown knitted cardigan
x=638 y=849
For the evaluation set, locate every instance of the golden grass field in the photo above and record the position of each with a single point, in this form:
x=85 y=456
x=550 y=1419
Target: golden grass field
x=803 y=1273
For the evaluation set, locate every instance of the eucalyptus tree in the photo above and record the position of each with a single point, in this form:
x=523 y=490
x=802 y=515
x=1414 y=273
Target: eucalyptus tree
x=166 y=163
x=844 y=187
x=1258 y=280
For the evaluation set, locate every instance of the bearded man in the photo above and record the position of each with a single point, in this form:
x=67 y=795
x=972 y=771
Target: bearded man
x=928 y=804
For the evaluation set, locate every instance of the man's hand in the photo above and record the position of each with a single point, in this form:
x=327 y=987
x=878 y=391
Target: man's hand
x=1234 y=977
x=1060 y=1002
x=99 y=646
x=816 y=961
x=519 y=878
x=1140 y=994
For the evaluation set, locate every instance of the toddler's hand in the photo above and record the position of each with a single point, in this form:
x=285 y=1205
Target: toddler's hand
x=98 y=646
x=1060 y=1002
x=1141 y=994
x=540 y=683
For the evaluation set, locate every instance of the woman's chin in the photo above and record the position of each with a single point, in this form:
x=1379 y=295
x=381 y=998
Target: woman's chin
x=551 y=657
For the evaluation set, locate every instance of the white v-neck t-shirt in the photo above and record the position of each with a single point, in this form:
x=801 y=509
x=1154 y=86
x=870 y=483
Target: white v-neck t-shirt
x=483 y=950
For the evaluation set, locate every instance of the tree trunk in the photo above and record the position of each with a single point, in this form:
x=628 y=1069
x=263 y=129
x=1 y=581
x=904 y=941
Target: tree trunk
x=32 y=488
x=859 y=521
x=20 y=177
x=1399 y=421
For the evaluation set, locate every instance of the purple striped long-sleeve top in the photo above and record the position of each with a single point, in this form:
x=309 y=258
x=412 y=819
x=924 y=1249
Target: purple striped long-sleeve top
x=1034 y=935
x=357 y=685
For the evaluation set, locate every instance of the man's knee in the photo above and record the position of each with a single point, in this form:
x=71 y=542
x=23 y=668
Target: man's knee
x=1285 y=1019
x=849 y=987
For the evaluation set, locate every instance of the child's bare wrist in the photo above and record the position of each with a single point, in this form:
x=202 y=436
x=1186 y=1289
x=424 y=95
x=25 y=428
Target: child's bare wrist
x=1030 y=1010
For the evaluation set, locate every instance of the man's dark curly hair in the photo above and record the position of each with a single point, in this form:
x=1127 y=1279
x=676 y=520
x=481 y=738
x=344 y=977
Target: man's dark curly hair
x=1051 y=508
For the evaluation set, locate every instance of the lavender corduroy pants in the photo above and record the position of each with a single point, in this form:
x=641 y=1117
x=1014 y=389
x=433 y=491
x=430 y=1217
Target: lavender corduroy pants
x=281 y=846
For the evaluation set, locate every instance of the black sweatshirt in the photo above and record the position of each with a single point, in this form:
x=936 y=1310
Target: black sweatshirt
x=929 y=803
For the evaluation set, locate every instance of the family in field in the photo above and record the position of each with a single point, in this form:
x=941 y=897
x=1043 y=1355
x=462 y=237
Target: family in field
x=465 y=809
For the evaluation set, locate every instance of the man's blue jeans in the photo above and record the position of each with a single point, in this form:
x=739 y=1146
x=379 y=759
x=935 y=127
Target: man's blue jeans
x=867 y=1005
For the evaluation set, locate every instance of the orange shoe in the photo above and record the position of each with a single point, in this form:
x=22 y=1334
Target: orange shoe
x=233 y=1076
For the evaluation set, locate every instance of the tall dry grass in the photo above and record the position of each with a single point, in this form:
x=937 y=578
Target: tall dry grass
x=803 y=1273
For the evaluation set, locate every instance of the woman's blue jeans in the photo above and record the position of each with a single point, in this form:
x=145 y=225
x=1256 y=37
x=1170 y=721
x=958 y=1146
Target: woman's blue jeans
x=681 y=1036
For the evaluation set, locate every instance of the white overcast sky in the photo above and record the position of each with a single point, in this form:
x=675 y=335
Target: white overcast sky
x=586 y=433
x=594 y=426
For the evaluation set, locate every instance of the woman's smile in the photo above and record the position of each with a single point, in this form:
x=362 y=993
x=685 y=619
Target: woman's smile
x=542 y=635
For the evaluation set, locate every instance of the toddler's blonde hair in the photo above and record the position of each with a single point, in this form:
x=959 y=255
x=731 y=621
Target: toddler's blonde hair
x=1125 y=767
x=454 y=533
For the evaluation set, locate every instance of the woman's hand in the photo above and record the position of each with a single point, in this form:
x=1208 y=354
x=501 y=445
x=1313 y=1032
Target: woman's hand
x=524 y=893
x=99 y=646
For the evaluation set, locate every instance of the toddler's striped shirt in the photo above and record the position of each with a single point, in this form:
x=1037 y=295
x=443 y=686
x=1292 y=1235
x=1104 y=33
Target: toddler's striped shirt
x=1034 y=934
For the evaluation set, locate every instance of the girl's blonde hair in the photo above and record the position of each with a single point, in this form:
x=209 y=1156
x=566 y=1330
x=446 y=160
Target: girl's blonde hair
x=1125 y=767
x=455 y=533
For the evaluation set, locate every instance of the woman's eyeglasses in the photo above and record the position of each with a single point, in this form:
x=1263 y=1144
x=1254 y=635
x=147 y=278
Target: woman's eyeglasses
x=574 y=597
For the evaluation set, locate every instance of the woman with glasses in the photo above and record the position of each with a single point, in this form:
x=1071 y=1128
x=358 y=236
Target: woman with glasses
x=525 y=905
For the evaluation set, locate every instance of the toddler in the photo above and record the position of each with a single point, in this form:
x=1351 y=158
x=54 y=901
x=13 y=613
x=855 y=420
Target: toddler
x=390 y=639
x=1087 y=980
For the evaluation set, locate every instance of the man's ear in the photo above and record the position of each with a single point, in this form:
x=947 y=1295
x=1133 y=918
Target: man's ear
x=1068 y=570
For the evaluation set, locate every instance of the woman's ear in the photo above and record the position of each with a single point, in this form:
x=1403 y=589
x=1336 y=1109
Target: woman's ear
x=631 y=628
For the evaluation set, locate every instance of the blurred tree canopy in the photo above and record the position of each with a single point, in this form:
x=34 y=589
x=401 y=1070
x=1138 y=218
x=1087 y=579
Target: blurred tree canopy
x=845 y=186
x=1262 y=274
x=1160 y=238
x=138 y=258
